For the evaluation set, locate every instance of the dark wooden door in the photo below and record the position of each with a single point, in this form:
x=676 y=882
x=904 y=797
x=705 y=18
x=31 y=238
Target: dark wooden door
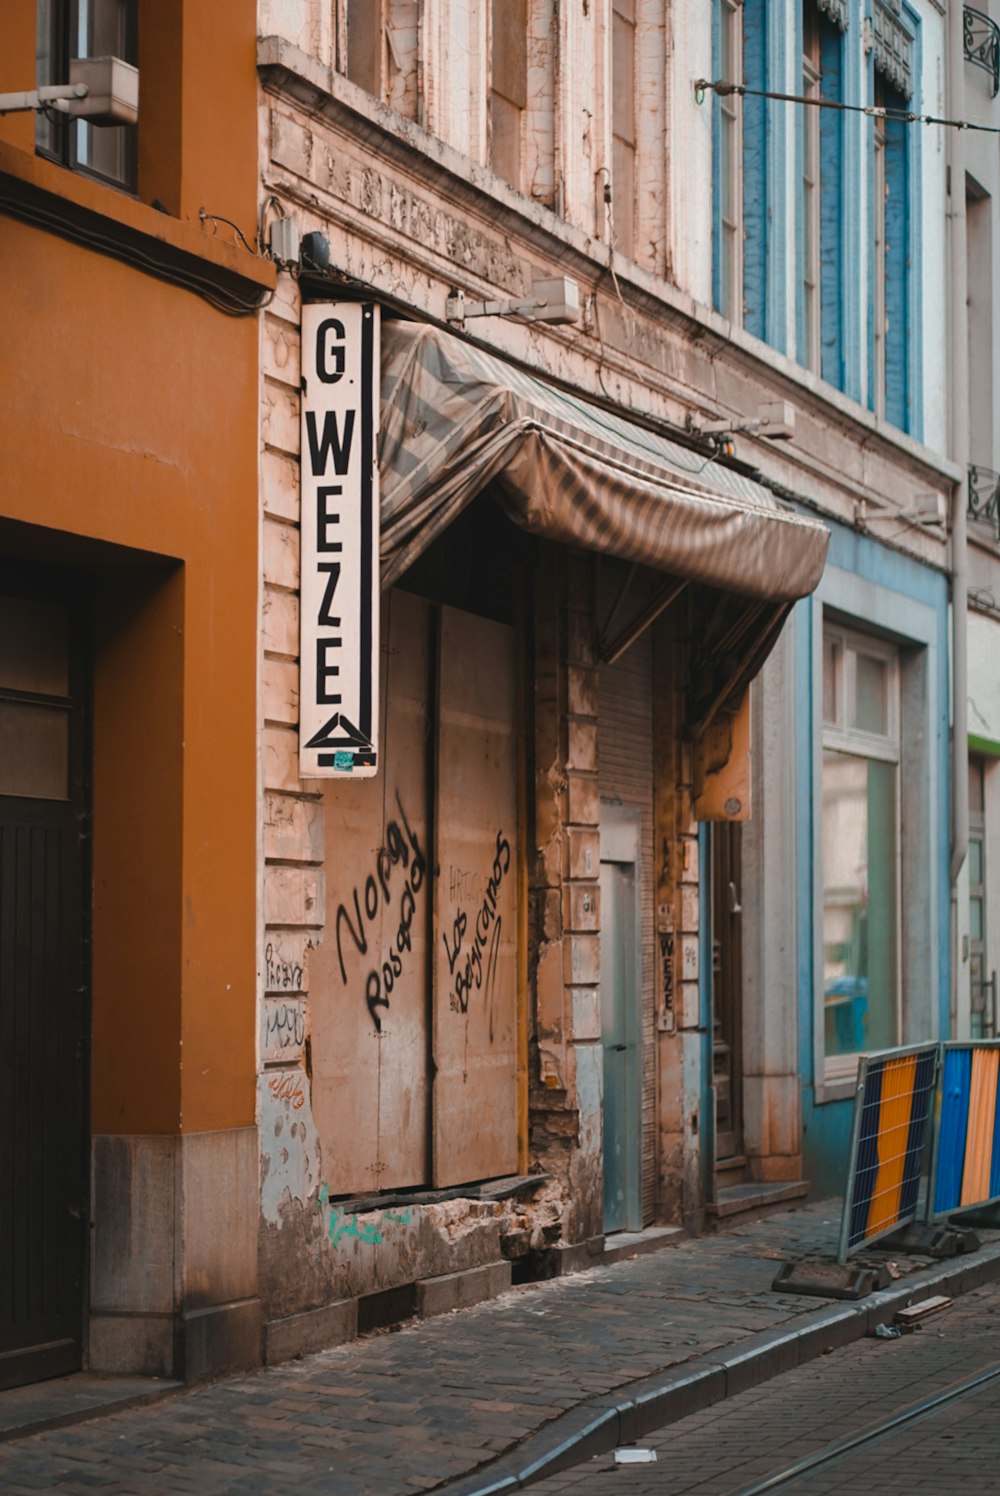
x=727 y=989
x=43 y=983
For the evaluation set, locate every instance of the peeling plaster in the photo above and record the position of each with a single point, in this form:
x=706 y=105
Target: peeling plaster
x=290 y=1165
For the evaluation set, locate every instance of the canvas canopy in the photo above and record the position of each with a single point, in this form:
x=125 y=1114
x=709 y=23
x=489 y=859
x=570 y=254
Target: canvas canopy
x=455 y=419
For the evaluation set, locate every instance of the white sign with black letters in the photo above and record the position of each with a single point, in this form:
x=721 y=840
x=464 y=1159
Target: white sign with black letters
x=339 y=605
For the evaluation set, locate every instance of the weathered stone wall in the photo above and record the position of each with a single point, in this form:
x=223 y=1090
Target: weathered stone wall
x=565 y=896
x=400 y=186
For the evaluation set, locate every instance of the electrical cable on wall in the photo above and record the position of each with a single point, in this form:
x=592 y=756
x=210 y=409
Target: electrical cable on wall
x=723 y=87
x=216 y=218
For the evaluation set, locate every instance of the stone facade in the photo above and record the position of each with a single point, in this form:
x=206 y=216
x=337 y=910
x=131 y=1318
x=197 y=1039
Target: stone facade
x=397 y=175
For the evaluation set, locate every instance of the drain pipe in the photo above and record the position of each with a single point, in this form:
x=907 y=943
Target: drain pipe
x=959 y=414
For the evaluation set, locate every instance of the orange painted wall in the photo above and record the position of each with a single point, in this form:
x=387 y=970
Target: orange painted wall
x=197 y=103
x=128 y=415
x=197 y=138
x=17 y=70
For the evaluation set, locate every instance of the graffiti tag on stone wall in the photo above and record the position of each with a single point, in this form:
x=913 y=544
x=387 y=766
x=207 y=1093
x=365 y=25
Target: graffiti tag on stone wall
x=282 y=976
x=473 y=962
x=400 y=854
x=285 y=1026
x=287 y=1088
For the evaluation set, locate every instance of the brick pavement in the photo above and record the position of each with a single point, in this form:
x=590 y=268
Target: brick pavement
x=720 y=1449
x=406 y=1411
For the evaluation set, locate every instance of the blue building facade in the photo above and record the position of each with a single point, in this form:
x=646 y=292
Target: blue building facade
x=830 y=248
x=872 y=774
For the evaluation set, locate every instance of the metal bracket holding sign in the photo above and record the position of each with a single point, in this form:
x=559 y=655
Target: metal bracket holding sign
x=339 y=602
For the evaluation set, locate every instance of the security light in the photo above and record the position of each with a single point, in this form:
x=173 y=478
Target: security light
x=101 y=90
x=555 y=299
x=775 y=419
x=112 y=96
x=284 y=241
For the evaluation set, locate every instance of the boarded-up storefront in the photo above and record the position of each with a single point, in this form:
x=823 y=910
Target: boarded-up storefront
x=463 y=1032
x=415 y=1008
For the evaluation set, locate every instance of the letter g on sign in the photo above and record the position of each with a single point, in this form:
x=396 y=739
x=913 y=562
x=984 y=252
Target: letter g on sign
x=327 y=354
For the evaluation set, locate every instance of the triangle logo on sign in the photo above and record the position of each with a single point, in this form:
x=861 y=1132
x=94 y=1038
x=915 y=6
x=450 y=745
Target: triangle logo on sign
x=350 y=736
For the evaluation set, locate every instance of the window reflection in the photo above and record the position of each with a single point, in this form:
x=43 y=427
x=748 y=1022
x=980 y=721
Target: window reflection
x=859 y=903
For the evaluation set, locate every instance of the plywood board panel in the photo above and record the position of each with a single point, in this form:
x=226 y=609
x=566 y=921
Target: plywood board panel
x=369 y=978
x=475 y=888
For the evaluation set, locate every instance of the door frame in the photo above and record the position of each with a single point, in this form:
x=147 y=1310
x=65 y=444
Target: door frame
x=621 y=845
x=65 y=587
x=727 y=975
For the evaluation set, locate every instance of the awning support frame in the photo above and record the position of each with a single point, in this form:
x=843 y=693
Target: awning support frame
x=610 y=647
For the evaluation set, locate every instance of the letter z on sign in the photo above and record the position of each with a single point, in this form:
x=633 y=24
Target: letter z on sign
x=339 y=609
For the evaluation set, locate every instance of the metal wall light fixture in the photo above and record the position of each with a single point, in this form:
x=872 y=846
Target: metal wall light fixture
x=775 y=419
x=555 y=300
x=295 y=251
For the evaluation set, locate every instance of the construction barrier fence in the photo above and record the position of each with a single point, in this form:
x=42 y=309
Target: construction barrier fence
x=966 y=1161
x=893 y=1115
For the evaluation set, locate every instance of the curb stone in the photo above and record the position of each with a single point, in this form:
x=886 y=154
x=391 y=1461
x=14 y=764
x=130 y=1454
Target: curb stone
x=602 y=1423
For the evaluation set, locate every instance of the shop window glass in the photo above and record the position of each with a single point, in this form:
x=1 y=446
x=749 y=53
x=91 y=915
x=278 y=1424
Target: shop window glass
x=870 y=697
x=860 y=848
x=34 y=653
x=982 y=980
x=34 y=751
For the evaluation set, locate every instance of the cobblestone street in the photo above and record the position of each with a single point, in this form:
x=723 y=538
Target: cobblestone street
x=724 y=1448
x=443 y=1398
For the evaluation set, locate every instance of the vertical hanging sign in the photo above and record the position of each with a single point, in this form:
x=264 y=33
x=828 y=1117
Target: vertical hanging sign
x=339 y=603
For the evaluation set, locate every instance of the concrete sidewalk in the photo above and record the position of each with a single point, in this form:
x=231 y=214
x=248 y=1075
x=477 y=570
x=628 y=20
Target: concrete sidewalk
x=489 y=1398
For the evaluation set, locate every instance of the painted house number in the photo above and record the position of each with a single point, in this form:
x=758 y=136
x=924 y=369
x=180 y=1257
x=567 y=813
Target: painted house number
x=339 y=605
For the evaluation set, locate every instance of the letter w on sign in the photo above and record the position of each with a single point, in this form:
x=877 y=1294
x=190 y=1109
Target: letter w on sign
x=339 y=608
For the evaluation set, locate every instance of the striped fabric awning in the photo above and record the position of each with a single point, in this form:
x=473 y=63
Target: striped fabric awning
x=455 y=419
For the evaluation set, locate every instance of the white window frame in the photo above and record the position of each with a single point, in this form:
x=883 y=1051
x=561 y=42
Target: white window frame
x=501 y=100
x=913 y=624
x=839 y=736
x=809 y=356
x=731 y=184
x=622 y=207
x=879 y=314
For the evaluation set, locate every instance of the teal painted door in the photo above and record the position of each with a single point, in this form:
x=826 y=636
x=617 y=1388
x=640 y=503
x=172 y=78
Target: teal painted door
x=620 y=1033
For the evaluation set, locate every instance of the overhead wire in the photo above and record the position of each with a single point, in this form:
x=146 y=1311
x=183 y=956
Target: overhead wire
x=723 y=87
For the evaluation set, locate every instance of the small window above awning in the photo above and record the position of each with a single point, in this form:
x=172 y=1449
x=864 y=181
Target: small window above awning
x=455 y=419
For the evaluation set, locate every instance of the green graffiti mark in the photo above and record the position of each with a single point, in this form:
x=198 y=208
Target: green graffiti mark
x=345 y=1225
x=341 y=1224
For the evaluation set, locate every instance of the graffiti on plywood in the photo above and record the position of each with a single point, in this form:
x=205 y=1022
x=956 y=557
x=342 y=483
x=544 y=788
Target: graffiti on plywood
x=393 y=886
x=472 y=962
